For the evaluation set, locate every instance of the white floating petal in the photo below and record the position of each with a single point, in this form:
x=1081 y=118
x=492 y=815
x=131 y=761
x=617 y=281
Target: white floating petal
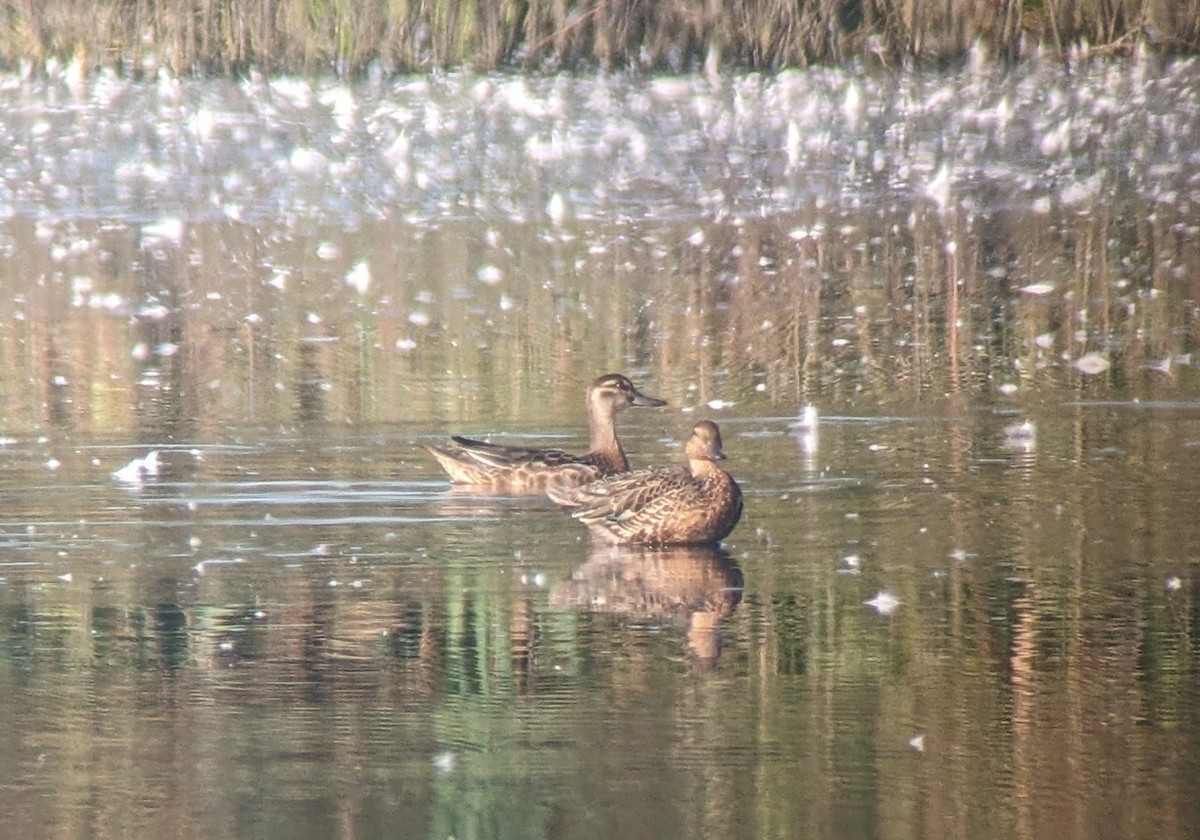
x=1092 y=363
x=308 y=161
x=154 y=312
x=164 y=230
x=489 y=274
x=136 y=471
x=556 y=209
x=1038 y=289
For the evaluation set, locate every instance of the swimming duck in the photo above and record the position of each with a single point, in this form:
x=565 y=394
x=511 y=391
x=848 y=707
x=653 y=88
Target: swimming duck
x=519 y=470
x=700 y=503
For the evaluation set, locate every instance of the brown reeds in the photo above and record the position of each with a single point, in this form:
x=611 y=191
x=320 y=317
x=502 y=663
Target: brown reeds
x=394 y=36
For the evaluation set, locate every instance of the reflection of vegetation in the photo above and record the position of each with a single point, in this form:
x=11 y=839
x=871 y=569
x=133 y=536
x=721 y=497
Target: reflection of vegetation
x=752 y=315
x=350 y=37
x=1032 y=661
x=504 y=715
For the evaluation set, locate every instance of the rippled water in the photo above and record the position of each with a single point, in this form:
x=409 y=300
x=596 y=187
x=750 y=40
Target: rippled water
x=965 y=605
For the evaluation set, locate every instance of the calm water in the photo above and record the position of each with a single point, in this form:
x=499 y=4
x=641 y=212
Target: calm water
x=965 y=607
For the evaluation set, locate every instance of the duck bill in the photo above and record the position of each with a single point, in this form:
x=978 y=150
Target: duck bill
x=641 y=399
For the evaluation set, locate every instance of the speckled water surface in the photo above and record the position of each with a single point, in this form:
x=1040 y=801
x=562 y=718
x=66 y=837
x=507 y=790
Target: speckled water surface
x=238 y=599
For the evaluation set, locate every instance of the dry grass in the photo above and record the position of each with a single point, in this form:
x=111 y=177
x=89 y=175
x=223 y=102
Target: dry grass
x=350 y=37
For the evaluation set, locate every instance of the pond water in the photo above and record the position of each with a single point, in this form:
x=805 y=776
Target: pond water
x=964 y=606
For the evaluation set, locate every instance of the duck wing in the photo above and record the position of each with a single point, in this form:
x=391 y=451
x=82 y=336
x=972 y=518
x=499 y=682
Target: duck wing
x=629 y=494
x=510 y=457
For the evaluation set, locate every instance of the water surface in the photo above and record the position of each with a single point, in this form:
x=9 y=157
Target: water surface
x=965 y=606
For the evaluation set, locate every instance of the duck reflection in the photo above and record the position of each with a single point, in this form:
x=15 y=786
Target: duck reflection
x=692 y=587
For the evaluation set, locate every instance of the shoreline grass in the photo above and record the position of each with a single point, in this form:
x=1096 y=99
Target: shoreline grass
x=357 y=37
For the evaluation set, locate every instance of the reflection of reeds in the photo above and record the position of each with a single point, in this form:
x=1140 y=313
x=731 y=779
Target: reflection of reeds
x=1007 y=663
x=865 y=310
x=349 y=37
x=845 y=314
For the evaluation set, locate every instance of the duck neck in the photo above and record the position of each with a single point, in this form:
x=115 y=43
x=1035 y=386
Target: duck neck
x=703 y=468
x=603 y=433
x=604 y=440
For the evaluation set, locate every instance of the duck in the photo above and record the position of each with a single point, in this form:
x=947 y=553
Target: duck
x=695 y=504
x=531 y=471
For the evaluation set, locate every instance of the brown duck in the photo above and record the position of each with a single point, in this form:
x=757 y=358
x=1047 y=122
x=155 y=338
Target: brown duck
x=519 y=470
x=674 y=505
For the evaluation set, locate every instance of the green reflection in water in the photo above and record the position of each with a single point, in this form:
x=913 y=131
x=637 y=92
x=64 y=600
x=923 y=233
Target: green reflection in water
x=296 y=630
